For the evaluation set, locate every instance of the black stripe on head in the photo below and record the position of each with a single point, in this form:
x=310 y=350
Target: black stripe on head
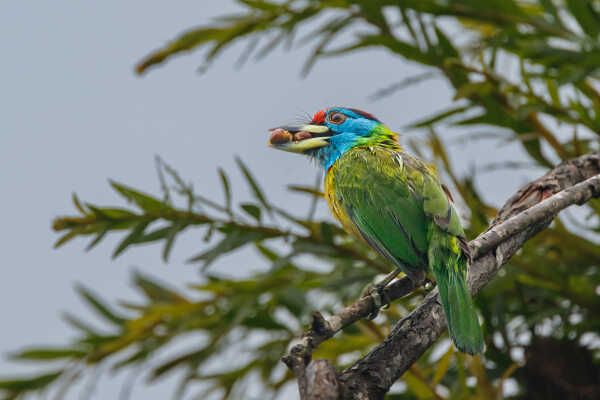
x=364 y=114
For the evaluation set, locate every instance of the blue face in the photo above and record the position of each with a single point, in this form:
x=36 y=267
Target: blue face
x=349 y=128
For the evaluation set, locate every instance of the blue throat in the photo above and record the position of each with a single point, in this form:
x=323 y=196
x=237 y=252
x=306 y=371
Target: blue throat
x=358 y=134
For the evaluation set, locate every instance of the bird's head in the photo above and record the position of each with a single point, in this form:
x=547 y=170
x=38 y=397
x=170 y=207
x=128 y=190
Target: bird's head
x=332 y=132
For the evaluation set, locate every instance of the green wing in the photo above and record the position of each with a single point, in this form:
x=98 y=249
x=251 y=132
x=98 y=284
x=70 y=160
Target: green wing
x=392 y=198
x=400 y=208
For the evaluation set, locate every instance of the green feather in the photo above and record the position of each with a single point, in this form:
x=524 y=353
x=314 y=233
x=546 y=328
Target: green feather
x=398 y=206
x=449 y=267
x=377 y=197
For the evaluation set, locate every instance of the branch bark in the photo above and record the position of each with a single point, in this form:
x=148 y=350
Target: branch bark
x=526 y=213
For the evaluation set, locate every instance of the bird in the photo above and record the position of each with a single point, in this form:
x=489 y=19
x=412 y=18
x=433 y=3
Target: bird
x=395 y=203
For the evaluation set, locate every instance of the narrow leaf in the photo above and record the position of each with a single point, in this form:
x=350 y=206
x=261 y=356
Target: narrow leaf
x=98 y=305
x=417 y=386
x=442 y=366
x=66 y=237
x=136 y=233
x=29 y=384
x=143 y=201
x=586 y=16
x=256 y=190
x=78 y=204
x=232 y=241
x=306 y=189
x=192 y=358
x=252 y=210
x=155 y=235
x=156 y=291
x=186 y=41
x=98 y=238
x=48 y=354
x=226 y=188
x=439 y=117
x=173 y=231
x=78 y=324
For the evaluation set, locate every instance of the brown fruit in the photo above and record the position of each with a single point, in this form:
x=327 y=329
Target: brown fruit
x=298 y=136
x=280 y=136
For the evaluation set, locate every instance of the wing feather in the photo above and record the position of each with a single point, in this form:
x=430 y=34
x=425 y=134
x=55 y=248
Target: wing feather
x=388 y=199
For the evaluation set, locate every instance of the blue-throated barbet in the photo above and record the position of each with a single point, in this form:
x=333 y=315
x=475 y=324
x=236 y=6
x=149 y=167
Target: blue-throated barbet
x=394 y=202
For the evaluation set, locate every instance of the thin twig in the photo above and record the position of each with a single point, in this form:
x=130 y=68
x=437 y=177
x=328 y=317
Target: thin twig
x=578 y=194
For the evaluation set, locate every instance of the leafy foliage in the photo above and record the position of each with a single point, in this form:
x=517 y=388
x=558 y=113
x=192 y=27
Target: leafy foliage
x=529 y=69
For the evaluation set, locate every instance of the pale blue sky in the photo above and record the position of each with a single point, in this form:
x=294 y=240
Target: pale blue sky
x=73 y=114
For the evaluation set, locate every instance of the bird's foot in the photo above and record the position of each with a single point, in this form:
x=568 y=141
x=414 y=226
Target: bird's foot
x=377 y=291
x=381 y=300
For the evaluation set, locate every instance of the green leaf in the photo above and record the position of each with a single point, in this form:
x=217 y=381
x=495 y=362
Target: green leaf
x=143 y=201
x=136 y=233
x=551 y=9
x=67 y=237
x=99 y=306
x=586 y=16
x=172 y=234
x=136 y=358
x=155 y=235
x=48 y=354
x=99 y=236
x=263 y=319
x=252 y=210
x=442 y=366
x=496 y=116
x=186 y=41
x=232 y=241
x=306 y=189
x=444 y=44
x=80 y=325
x=210 y=203
x=439 y=116
x=77 y=204
x=417 y=386
x=267 y=252
x=536 y=282
x=30 y=384
x=469 y=89
x=156 y=291
x=186 y=360
x=110 y=213
x=328 y=33
x=256 y=190
x=294 y=299
x=310 y=247
x=261 y=5
x=226 y=188
x=328 y=231
x=553 y=92
x=407 y=50
x=373 y=12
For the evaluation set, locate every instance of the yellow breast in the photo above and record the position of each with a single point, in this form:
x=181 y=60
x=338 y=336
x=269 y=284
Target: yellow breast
x=335 y=204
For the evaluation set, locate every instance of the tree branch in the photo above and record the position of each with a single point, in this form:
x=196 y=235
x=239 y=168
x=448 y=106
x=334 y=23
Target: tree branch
x=525 y=214
x=322 y=329
x=548 y=208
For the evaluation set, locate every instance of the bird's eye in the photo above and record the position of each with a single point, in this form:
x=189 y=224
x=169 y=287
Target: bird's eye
x=337 y=118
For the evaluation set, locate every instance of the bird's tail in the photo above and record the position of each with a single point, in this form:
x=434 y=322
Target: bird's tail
x=448 y=264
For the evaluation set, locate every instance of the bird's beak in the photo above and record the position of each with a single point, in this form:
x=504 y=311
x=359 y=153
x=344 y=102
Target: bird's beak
x=299 y=139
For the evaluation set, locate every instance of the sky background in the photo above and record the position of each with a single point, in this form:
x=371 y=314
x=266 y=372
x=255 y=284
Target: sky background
x=73 y=114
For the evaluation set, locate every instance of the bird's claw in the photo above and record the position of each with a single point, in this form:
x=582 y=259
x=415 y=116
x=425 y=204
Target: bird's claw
x=381 y=301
